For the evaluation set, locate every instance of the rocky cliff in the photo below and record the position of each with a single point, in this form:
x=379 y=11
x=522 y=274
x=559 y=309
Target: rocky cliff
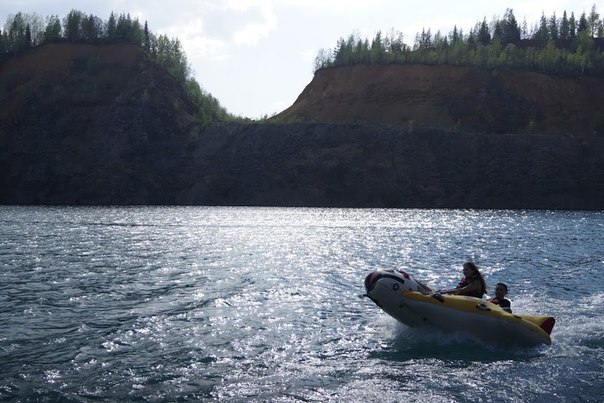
x=307 y=165
x=86 y=127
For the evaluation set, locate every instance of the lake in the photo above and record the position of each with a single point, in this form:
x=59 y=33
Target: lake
x=262 y=304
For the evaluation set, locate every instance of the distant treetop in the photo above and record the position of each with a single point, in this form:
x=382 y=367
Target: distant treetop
x=559 y=45
x=24 y=31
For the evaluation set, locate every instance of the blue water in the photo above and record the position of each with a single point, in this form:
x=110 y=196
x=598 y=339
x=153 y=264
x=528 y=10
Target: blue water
x=262 y=304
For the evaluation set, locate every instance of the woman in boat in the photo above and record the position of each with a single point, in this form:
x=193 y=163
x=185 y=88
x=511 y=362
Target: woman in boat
x=501 y=291
x=472 y=284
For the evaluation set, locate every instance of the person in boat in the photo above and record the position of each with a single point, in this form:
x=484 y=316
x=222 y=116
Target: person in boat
x=501 y=290
x=472 y=284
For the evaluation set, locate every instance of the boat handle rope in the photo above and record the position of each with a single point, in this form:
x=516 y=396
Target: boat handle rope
x=483 y=307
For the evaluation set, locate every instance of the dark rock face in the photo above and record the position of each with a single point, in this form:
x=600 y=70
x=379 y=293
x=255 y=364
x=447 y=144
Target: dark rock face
x=305 y=165
x=371 y=166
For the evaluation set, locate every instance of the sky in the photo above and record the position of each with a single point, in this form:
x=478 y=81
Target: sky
x=256 y=56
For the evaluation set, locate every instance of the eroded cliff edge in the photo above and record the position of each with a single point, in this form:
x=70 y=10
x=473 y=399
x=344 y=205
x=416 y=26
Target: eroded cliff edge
x=455 y=97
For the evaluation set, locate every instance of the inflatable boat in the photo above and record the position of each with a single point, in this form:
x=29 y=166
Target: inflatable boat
x=414 y=304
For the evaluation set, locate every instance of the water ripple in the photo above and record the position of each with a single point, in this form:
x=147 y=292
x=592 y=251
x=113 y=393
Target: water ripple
x=261 y=304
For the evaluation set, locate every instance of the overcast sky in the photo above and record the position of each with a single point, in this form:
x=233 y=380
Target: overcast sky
x=256 y=56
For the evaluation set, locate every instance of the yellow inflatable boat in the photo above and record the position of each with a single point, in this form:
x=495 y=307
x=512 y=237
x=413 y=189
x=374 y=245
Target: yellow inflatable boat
x=413 y=304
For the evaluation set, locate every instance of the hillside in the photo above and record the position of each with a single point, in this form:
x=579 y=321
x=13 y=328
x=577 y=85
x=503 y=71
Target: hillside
x=102 y=124
x=452 y=97
x=79 y=122
x=67 y=85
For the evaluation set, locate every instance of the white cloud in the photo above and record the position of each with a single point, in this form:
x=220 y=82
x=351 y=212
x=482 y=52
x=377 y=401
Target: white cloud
x=309 y=55
x=333 y=5
x=243 y=5
x=252 y=32
x=214 y=33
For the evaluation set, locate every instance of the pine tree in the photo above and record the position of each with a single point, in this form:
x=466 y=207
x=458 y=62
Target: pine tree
x=111 y=27
x=53 y=29
x=135 y=32
x=453 y=37
x=147 y=40
x=510 y=30
x=564 y=30
x=484 y=35
x=593 y=22
x=72 y=24
x=123 y=26
x=542 y=34
x=377 y=48
x=572 y=26
x=27 y=40
x=90 y=28
x=582 y=24
x=16 y=33
x=553 y=28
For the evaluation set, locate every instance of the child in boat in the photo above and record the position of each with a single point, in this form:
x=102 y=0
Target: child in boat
x=501 y=290
x=472 y=284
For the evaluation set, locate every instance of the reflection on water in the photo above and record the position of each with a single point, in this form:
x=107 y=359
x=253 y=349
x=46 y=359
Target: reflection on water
x=239 y=304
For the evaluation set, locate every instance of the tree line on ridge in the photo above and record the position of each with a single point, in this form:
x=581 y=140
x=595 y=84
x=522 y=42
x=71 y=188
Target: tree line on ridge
x=558 y=45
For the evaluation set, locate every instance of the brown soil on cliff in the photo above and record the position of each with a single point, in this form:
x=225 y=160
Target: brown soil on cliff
x=82 y=87
x=52 y=64
x=453 y=97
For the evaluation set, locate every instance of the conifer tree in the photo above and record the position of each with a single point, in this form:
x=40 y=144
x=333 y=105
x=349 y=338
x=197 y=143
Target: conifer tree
x=484 y=35
x=553 y=28
x=542 y=34
x=27 y=41
x=111 y=27
x=53 y=29
x=510 y=29
x=572 y=26
x=72 y=25
x=377 y=48
x=564 y=31
x=16 y=35
x=593 y=22
x=582 y=24
x=147 y=40
x=3 y=48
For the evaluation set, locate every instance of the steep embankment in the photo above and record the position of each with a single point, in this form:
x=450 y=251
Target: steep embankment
x=62 y=85
x=80 y=122
x=453 y=97
x=101 y=124
x=310 y=165
x=368 y=166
